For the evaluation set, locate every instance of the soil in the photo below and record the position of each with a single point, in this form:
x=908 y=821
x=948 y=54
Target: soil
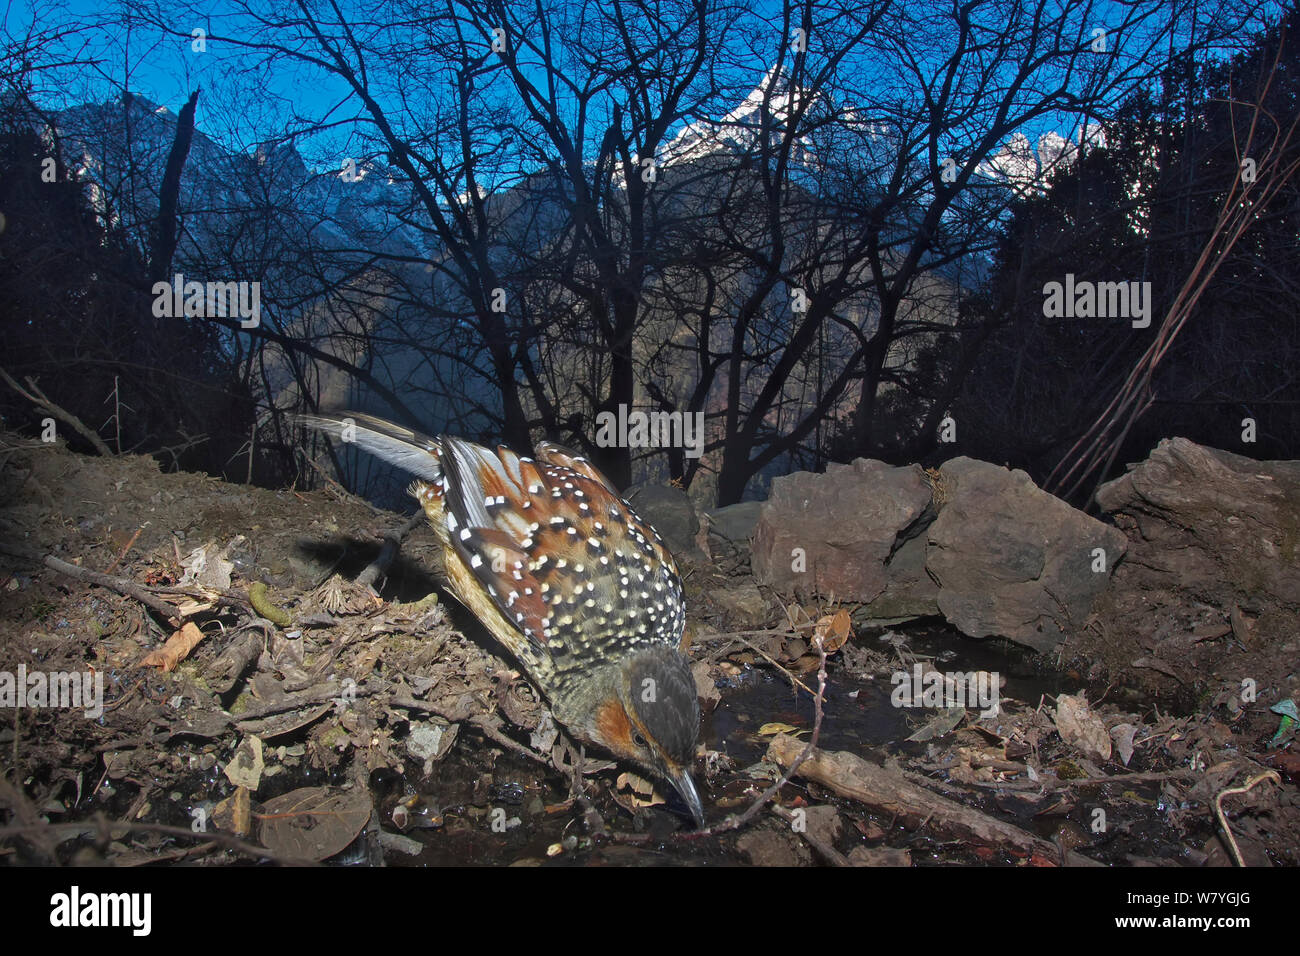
x=282 y=693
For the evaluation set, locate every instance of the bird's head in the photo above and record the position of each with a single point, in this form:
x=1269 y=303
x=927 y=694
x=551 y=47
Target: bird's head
x=648 y=713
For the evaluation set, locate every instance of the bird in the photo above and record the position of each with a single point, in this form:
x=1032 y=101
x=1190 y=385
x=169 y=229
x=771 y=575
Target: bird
x=567 y=577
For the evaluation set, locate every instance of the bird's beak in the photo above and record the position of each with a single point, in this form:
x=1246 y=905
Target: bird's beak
x=686 y=787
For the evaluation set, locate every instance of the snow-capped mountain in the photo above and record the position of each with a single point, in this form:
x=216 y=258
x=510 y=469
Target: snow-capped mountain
x=1025 y=168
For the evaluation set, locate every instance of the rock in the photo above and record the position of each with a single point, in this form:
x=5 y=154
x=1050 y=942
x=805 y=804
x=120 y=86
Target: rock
x=670 y=510
x=1213 y=550
x=741 y=603
x=1210 y=522
x=910 y=591
x=879 y=856
x=1012 y=560
x=735 y=523
x=824 y=823
x=766 y=848
x=833 y=533
x=730 y=529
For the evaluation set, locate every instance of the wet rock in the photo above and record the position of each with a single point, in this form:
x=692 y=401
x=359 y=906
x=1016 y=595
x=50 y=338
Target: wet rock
x=879 y=856
x=824 y=823
x=1012 y=560
x=834 y=533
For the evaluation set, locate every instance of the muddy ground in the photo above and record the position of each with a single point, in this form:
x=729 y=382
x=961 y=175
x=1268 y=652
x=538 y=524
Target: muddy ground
x=268 y=706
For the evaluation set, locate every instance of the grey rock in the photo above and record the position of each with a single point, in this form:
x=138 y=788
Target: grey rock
x=1012 y=560
x=730 y=529
x=910 y=592
x=671 y=513
x=1210 y=534
x=735 y=522
x=833 y=533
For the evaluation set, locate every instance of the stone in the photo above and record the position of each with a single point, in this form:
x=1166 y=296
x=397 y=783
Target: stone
x=1210 y=587
x=730 y=529
x=735 y=523
x=1012 y=560
x=670 y=511
x=832 y=534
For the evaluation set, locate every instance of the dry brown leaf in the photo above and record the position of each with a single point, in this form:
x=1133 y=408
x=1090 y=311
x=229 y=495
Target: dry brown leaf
x=633 y=792
x=1081 y=728
x=176 y=649
x=833 y=630
x=234 y=814
x=314 y=823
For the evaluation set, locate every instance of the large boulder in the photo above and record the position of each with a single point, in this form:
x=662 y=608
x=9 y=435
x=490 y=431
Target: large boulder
x=1012 y=560
x=1210 y=522
x=1210 y=589
x=834 y=533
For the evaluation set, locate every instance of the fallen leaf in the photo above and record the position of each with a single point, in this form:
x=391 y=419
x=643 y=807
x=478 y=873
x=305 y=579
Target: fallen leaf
x=833 y=630
x=632 y=792
x=1081 y=728
x=940 y=724
x=771 y=730
x=245 y=768
x=234 y=814
x=277 y=725
x=176 y=649
x=208 y=566
x=314 y=823
x=1122 y=734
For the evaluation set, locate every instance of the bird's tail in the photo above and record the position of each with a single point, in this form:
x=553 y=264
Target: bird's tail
x=409 y=450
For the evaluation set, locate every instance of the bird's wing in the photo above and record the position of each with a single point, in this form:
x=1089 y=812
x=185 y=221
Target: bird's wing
x=403 y=447
x=552 y=454
x=563 y=558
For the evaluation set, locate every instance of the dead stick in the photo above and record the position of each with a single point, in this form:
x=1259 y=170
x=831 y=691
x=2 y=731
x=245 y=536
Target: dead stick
x=392 y=545
x=43 y=402
x=851 y=776
x=118 y=560
x=120 y=585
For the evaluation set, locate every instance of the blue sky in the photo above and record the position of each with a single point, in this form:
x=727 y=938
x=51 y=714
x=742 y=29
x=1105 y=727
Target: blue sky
x=241 y=103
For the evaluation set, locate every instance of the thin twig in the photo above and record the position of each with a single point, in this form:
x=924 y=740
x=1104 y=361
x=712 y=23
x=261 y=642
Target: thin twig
x=38 y=398
x=737 y=635
x=118 y=560
x=1218 y=808
x=735 y=822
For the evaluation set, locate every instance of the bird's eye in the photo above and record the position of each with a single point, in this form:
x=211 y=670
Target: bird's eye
x=639 y=740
